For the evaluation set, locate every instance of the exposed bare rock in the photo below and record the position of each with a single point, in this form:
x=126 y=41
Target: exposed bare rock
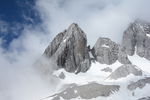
x=144 y=98
x=147 y=48
x=88 y=91
x=69 y=50
x=129 y=40
x=137 y=35
x=62 y=75
x=107 y=69
x=124 y=71
x=105 y=51
x=123 y=57
x=54 y=45
x=139 y=84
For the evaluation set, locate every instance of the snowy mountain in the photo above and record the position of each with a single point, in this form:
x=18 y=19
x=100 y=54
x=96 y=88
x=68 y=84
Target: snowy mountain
x=107 y=71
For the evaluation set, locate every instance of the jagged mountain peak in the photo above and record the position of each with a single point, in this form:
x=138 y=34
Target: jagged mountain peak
x=142 y=25
x=73 y=25
x=69 y=50
x=75 y=30
x=137 y=38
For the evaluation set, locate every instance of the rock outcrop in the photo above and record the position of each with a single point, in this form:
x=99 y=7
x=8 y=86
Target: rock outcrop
x=139 y=84
x=122 y=56
x=124 y=71
x=145 y=98
x=108 y=52
x=61 y=75
x=137 y=36
x=105 y=51
x=128 y=41
x=69 y=50
x=107 y=69
x=87 y=91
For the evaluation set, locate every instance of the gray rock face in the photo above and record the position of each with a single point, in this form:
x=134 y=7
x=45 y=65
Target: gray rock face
x=105 y=51
x=88 y=91
x=69 y=50
x=139 y=84
x=54 y=45
x=61 y=75
x=137 y=35
x=107 y=69
x=122 y=56
x=124 y=71
x=144 y=98
x=129 y=40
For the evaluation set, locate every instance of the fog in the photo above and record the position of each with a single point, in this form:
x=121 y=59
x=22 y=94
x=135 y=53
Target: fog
x=106 y=18
x=19 y=80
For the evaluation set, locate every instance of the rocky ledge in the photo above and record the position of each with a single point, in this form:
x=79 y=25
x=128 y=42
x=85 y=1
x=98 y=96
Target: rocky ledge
x=124 y=71
x=139 y=84
x=88 y=91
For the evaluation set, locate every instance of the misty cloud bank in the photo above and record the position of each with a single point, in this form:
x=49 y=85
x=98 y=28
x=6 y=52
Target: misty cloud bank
x=106 y=18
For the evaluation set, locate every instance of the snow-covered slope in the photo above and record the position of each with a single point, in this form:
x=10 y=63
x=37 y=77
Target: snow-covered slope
x=96 y=75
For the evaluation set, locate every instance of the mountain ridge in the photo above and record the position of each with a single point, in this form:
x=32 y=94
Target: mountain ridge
x=70 y=52
x=104 y=51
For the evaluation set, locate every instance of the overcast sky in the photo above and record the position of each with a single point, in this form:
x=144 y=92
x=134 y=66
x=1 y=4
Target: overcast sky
x=106 y=18
x=24 y=35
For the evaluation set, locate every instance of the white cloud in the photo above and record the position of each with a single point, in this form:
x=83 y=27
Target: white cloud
x=19 y=80
x=108 y=18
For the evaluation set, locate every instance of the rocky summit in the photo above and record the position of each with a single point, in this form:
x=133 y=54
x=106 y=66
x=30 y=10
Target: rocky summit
x=110 y=69
x=69 y=50
x=137 y=38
